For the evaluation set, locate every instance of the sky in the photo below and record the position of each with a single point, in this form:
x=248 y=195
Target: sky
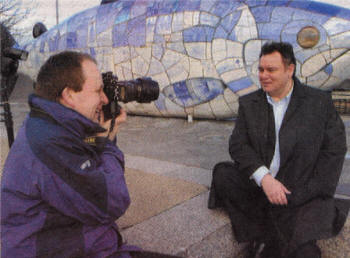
x=45 y=11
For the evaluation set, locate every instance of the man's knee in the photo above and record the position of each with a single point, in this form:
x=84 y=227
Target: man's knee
x=222 y=174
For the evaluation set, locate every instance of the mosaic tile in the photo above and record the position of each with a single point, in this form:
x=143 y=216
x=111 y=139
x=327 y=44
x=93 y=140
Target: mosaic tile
x=163 y=24
x=230 y=21
x=158 y=51
x=162 y=79
x=220 y=108
x=156 y=67
x=104 y=39
x=207 y=5
x=219 y=50
x=203 y=111
x=234 y=75
x=220 y=32
x=177 y=46
x=282 y=14
x=262 y=14
x=196 y=50
x=312 y=65
x=240 y=84
x=174 y=109
x=196 y=69
x=150 y=27
x=121 y=54
x=208 y=19
x=318 y=18
x=178 y=72
x=178 y=22
x=209 y=69
x=341 y=41
x=188 y=19
x=170 y=58
x=317 y=79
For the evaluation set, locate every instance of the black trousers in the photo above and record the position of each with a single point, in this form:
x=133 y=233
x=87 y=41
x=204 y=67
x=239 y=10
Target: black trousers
x=252 y=216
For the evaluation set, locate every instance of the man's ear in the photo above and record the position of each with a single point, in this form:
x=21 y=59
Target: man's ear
x=66 y=98
x=291 y=69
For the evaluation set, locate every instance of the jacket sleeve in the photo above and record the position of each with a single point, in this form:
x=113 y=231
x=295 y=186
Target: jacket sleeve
x=328 y=167
x=241 y=147
x=87 y=186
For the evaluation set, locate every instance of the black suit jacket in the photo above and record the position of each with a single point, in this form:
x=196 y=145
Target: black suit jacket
x=312 y=149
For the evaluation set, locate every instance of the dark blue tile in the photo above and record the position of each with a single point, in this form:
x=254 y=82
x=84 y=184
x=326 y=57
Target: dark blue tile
x=220 y=33
x=240 y=84
x=199 y=34
x=92 y=52
x=231 y=20
x=137 y=31
x=262 y=14
x=119 y=35
x=190 y=5
x=182 y=93
x=224 y=7
x=71 y=40
x=329 y=69
x=254 y=3
x=278 y=2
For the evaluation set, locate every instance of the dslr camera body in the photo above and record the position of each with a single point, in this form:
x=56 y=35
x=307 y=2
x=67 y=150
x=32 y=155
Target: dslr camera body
x=141 y=90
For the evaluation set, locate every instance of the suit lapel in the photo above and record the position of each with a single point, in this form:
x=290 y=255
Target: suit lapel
x=288 y=131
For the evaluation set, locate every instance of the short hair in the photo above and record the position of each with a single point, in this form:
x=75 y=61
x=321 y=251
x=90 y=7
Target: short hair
x=60 y=71
x=284 y=48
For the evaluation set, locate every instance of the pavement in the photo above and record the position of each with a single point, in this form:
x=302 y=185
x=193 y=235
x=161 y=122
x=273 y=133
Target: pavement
x=169 y=162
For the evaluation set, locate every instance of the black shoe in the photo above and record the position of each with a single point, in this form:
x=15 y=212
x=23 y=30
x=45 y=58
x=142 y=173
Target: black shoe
x=252 y=249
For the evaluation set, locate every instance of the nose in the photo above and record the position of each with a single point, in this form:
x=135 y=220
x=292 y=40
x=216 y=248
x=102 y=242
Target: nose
x=104 y=98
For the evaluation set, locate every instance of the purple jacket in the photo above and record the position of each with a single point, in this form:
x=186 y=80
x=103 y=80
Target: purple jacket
x=60 y=196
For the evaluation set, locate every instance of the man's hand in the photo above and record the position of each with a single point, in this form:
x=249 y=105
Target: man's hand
x=274 y=190
x=106 y=124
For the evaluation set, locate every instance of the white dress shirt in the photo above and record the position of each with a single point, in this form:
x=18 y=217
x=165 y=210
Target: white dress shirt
x=279 y=110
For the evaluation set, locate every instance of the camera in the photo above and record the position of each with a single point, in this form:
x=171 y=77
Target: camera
x=141 y=90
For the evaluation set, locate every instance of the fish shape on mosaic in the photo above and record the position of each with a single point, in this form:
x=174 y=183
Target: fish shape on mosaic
x=203 y=53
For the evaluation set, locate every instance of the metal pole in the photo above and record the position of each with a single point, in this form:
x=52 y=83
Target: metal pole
x=57 y=16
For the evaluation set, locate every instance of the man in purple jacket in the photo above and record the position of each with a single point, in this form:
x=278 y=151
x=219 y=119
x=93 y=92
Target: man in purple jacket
x=63 y=183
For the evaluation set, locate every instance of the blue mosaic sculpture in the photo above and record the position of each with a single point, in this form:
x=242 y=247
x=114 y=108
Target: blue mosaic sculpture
x=203 y=53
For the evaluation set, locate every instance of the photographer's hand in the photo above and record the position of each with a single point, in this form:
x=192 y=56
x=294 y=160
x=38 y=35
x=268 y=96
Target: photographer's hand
x=121 y=118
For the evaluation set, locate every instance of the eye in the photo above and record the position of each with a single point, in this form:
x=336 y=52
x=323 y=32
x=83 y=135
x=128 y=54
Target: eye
x=308 y=37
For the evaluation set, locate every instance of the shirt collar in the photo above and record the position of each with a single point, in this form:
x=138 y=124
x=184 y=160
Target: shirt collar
x=286 y=99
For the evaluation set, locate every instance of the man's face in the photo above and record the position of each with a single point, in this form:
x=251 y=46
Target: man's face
x=274 y=75
x=91 y=98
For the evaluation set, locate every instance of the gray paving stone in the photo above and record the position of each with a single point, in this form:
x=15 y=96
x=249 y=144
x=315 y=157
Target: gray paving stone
x=192 y=174
x=185 y=225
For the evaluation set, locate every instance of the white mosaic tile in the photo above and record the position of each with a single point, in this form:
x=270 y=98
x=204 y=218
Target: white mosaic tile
x=178 y=22
x=177 y=36
x=188 y=19
x=246 y=27
x=139 y=66
x=209 y=69
x=162 y=79
x=252 y=51
x=234 y=49
x=177 y=46
x=203 y=111
x=195 y=18
x=219 y=51
x=312 y=65
x=231 y=99
x=220 y=108
x=174 y=109
x=170 y=58
x=336 y=25
x=163 y=24
x=341 y=40
x=317 y=79
x=208 y=19
x=156 y=67
x=196 y=69
x=150 y=27
x=158 y=51
x=121 y=54
x=104 y=39
x=209 y=56
x=233 y=75
x=179 y=72
x=145 y=53
x=196 y=49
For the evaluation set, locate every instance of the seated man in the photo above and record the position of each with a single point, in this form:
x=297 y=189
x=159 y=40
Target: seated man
x=63 y=183
x=288 y=148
